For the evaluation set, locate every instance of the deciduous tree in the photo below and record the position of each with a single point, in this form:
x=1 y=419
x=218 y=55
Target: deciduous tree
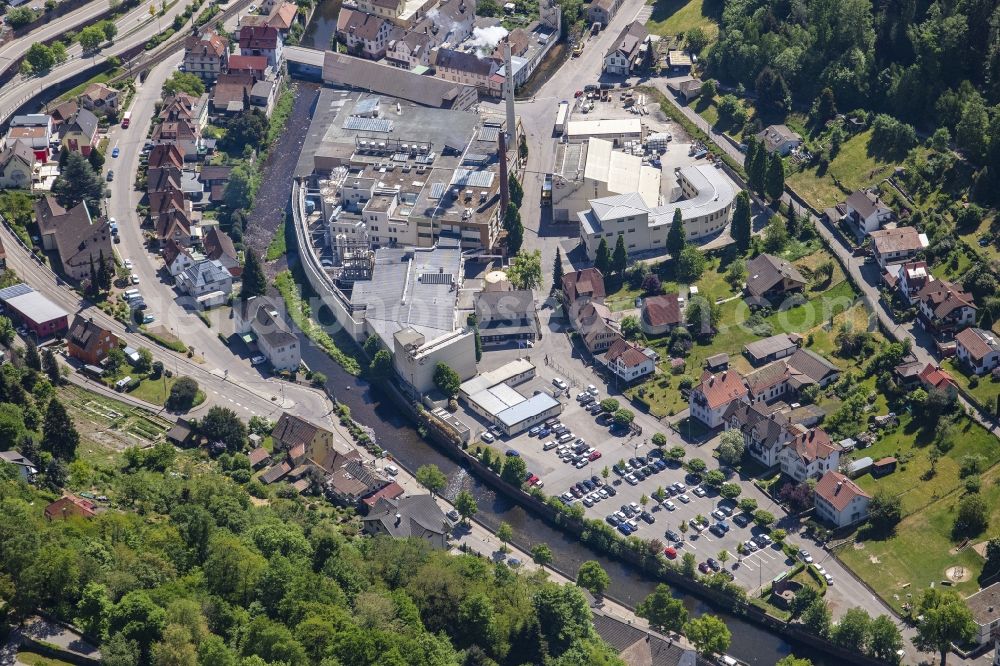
x=664 y=612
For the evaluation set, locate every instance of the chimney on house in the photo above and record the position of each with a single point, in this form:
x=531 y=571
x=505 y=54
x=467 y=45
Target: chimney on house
x=399 y=519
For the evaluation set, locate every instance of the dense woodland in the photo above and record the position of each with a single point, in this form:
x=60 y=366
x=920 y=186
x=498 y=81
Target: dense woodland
x=932 y=65
x=190 y=571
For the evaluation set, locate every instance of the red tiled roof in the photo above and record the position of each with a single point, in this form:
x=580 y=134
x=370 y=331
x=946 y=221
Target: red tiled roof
x=247 y=63
x=812 y=445
x=838 y=490
x=630 y=354
x=936 y=377
x=722 y=388
x=391 y=491
x=589 y=281
x=258 y=455
x=662 y=310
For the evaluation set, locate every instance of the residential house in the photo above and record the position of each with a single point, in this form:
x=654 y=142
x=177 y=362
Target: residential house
x=660 y=314
x=165 y=156
x=629 y=51
x=63 y=112
x=790 y=375
x=894 y=246
x=765 y=431
x=100 y=98
x=263 y=95
x=353 y=482
x=79 y=132
x=164 y=201
x=629 y=361
x=907 y=373
x=164 y=180
x=258 y=458
x=173 y=225
x=413 y=517
x=219 y=247
x=231 y=94
x=34 y=129
x=506 y=316
x=770 y=279
x=688 y=89
x=81 y=243
x=978 y=349
x=176 y=257
x=583 y=285
x=259 y=318
x=772 y=348
x=17 y=163
x=389 y=9
x=779 y=139
x=70 y=506
x=465 y=67
x=602 y=11
x=302 y=438
x=365 y=35
x=642 y=647
x=206 y=54
x=245 y=64
x=205 y=277
x=985 y=608
x=866 y=212
x=25 y=468
x=840 y=501
x=809 y=455
x=282 y=17
x=89 y=342
x=945 y=307
x=179 y=130
x=187 y=107
x=933 y=378
x=814 y=367
x=411 y=50
x=908 y=278
x=709 y=400
x=262 y=40
x=214 y=180
x=679 y=61
x=596 y=325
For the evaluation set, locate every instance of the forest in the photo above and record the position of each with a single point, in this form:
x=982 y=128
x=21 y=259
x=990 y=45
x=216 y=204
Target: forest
x=195 y=572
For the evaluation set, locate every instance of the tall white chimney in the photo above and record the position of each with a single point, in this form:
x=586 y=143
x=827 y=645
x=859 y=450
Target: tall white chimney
x=509 y=94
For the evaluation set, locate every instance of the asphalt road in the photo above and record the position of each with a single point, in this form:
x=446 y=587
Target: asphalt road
x=135 y=27
x=16 y=48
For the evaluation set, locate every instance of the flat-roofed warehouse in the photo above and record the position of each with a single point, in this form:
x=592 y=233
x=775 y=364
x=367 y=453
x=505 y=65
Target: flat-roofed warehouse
x=617 y=131
x=35 y=311
x=491 y=396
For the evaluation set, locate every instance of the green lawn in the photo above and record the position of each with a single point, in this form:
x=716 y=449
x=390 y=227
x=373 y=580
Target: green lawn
x=278 y=245
x=156 y=391
x=35 y=659
x=853 y=168
x=986 y=390
x=922 y=549
x=675 y=17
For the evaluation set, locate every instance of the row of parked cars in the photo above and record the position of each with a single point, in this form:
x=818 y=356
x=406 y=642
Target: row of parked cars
x=589 y=492
x=626 y=519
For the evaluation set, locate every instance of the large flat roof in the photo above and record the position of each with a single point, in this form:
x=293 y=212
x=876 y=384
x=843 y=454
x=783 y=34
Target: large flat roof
x=532 y=406
x=497 y=399
x=622 y=172
x=36 y=307
x=505 y=372
x=604 y=127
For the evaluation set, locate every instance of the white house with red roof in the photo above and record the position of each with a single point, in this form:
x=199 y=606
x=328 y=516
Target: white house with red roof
x=710 y=398
x=840 y=501
x=933 y=377
x=809 y=455
x=979 y=349
x=629 y=361
x=946 y=307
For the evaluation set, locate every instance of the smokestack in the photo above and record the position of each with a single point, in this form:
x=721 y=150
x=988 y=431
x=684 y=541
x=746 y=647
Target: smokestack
x=504 y=176
x=509 y=93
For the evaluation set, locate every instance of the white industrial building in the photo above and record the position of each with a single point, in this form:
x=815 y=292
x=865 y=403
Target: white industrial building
x=594 y=170
x=706 y=206
x=491 y=395
x=618 y=130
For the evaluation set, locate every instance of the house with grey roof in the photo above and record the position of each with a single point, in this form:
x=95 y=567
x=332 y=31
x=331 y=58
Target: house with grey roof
x=205 y=277
x=866 y=212
x=17 y=161
x=765 y=431
x=779 y=139
x=25 y=468
x=642 y=647
x=81 y=243
x=352 y=482
x=260 y=322
x=770 y=279
x=769 y=349
x=413 y=517
x=506 y=316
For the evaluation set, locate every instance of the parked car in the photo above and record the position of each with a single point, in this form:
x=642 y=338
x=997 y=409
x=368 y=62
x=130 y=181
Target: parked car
x=670 y=506
x=670 y=552
x=452 y=515
x=488 y=437
x=611 y=490
x=742 y=520
x=713 y=564
x=704 y=568
x=699 y=491
x=612 y=520
x=684 y=498
x=647 y=517
x=560 y=384
x=672 y=535
x=257 y=360
x=534 y=431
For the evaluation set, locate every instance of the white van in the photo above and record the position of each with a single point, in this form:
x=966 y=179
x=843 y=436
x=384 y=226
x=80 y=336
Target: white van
x=130 y=294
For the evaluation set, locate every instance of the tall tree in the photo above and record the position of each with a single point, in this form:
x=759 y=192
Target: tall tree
x=446 y=379
x=31 y=357
x=826 y=106
x=945 y=619
x=592 y=577
x=676 y=236
x=741 y=224
x=664 y=612
x=884 y=639
x=619 y=260
x=774 y=182
x=78 y=182
x=254 y=281
x=221 y=424
x=853 y=630
x=757 y=169
x=432 y=478
x=525 y=270
x=709 y=634
x=51 y=366
x=466 y=505
x=59 y=435
x=557 y=271
x=602 y=260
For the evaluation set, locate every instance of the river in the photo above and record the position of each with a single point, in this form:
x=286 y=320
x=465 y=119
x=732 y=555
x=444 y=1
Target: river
x=396 y=434
x=323 y=25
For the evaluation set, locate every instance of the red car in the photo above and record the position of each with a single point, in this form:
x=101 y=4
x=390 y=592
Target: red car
x=577 y=93
x=670 y=552
x=704 y=568
x=532 y=480
x=595 y=455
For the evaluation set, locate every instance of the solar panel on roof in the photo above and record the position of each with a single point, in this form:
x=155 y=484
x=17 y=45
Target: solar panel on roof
x=489 y=133
x=368 y=124
x=467 y=178
x=437 y=190
x=13 y=291
x=436 y=278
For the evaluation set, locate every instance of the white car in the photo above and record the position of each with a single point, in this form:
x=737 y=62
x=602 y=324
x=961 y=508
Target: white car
x=750 y=545
x=684 y=498
x=828 y=578
x=635 y=507
x=560 y=384
x=631 y=479
x=670 y=505
x=128 y=264
x=699 y=491
x=487 y=437
x=257 y=360
x=805 y=556
x=591 y=389
x=134 y=278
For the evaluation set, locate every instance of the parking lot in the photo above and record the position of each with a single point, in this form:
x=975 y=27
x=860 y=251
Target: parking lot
x=681 y=506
